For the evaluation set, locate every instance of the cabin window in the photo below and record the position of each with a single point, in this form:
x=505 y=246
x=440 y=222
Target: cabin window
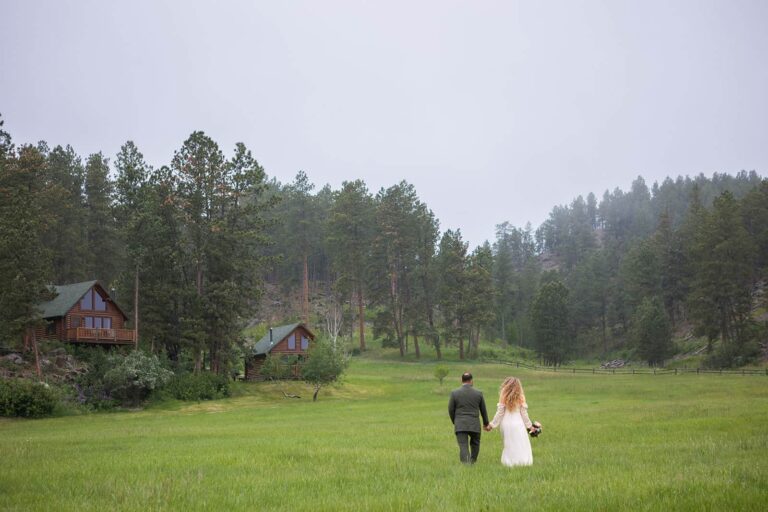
x=304 y=343
x=86 y=302
x=75 y=321
x=100 y=322
x=291 y=343
x=93 y=301
x=50 y=328
x=98 y=302
x=88 y=322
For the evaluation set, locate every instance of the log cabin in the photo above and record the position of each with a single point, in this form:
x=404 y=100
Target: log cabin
x=285 y=340
x=84 y=313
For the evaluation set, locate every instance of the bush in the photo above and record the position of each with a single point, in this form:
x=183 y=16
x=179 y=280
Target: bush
x=441 y=372
x=90 y=387
x=203 y=386
x=133 y=377
x=491 y=353
x=324 y=365
x=731 y=355
x=26 y=399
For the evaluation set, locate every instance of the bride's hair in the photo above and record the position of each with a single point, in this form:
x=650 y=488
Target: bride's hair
x=511 y=393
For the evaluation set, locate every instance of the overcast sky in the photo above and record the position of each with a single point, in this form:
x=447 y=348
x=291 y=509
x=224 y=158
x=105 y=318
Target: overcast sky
x=495 y=111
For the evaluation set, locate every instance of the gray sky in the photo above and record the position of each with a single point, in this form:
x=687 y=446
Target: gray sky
x=495 y=111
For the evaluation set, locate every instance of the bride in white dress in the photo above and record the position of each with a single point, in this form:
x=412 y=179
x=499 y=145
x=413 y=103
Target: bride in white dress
x=512 y=416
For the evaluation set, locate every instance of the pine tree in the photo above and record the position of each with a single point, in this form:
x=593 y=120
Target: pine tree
x=66 y=236
x=25 y=268
x=301 y=231
x=652 y=331
x=480 y=295
x=100 y=224
x=394 y=250
x=720 y=300
x=550 y=317
x=350 y=235
x=453 y=288
x=131 y=211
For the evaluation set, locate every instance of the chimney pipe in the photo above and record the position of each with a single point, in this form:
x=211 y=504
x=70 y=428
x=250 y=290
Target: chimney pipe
x=270 y=335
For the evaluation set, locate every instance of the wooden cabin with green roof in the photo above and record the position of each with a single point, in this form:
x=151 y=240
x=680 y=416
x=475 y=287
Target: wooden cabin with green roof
x=85 y=313
x=285 y=340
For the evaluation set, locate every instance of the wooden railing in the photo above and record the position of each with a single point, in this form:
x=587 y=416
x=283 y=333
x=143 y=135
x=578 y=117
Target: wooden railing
x=92 y=335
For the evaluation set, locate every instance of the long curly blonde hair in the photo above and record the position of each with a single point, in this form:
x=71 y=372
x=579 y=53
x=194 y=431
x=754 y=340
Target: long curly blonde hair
x=511 y=393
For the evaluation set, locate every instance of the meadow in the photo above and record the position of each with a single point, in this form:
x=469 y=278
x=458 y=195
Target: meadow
x=383 y=441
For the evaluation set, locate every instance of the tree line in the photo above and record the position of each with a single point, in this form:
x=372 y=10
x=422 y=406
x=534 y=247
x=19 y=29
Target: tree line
x=187 y=248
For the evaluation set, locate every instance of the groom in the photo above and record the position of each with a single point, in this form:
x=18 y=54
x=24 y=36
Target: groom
x=463 y=408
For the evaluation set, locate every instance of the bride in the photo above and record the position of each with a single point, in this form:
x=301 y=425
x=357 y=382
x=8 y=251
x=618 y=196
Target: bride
x=512 y=415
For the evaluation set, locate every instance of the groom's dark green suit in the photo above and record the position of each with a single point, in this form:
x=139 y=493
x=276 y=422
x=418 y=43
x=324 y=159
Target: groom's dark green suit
x=465 y=405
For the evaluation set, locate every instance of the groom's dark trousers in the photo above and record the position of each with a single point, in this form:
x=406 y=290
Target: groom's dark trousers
x=464 y=407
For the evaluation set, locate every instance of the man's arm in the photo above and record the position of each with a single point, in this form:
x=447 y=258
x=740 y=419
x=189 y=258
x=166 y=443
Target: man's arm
x=483 y=410
x=452 y=409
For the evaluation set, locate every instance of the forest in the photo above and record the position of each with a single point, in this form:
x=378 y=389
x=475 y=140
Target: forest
x=190 y=248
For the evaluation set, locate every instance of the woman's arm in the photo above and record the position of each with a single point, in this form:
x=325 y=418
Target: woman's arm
x=524 y=414
x=499 y=414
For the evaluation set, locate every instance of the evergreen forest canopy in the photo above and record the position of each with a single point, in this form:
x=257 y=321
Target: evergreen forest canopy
x=194 y=242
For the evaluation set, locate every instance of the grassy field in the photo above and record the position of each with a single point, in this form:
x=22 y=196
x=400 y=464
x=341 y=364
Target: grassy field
x=383 y=441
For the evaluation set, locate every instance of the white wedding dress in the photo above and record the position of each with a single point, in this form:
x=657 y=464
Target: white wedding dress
x=514 y=435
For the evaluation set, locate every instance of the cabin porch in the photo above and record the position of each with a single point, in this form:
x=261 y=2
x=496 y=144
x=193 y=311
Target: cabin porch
x=101 y=336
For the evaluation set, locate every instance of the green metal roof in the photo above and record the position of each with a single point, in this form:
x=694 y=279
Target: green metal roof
x=265 y=344
x=66 y=296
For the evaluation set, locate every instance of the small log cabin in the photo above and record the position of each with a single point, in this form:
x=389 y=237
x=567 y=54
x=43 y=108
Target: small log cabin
x=287 y=340
x=85 y=313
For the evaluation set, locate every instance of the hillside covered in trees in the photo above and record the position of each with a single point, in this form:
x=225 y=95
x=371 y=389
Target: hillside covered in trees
x=188 y=248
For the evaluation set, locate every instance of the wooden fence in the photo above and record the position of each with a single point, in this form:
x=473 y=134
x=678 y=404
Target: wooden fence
x=629 y=371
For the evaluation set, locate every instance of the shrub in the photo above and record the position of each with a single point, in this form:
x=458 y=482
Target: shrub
x=441 y=372
x=203 y=386
x=26 y=399
x=731 y=355
x=490 y=353
x=133 y=377
x=90 y=387
x=324 y=365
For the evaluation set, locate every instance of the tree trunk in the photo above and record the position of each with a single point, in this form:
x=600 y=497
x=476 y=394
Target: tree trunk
x=396 y=316
x=475 y=338
x=215 y=358
x=351 y=316
x=361 y=317
x=136 y=309
x=199 y=356
x=436 y=342
x=504 y=330
x=305 y=291
x=416 y=346
x=605 y=334
x=314 y=396
x=461 y=348
x=37 y=355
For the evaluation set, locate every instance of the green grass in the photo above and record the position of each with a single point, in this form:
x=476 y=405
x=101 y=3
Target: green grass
x=383 y=441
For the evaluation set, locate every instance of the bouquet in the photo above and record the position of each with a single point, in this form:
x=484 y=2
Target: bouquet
x=535 y=430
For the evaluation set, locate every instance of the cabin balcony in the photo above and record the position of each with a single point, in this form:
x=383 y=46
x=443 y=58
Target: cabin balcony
x=102 y=336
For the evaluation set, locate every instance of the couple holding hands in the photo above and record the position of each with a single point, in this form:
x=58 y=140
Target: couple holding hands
x=511 y=416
